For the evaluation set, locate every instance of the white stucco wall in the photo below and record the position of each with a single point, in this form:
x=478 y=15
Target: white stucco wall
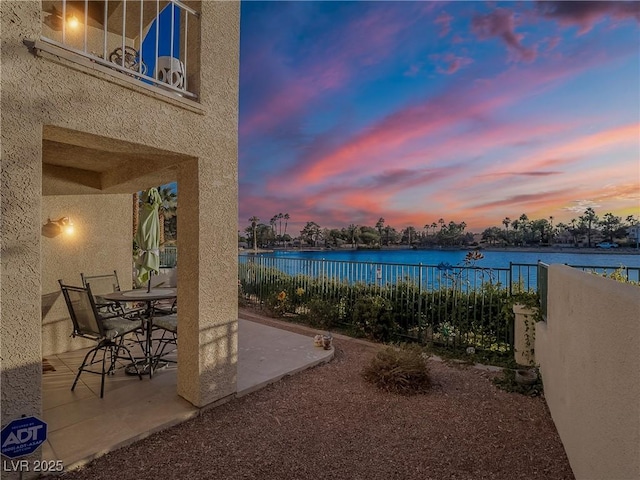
x=100 y=243
x=589 y=356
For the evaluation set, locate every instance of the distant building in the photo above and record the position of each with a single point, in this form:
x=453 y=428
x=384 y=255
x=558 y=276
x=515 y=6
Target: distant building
x=633 y=232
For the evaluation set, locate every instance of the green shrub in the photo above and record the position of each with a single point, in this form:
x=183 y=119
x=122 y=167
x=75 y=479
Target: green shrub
x=400 y=370
x=321 y=313
x=449 y=315
x=373 y=316
x=507 y=382
x=620 y=275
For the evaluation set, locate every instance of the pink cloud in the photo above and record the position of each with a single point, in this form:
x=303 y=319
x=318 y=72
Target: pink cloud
x=417 y=122
x=553 y=157
x=392 y=132
x=572 y=150
x=501 y=23
x=552 y=43
x=454 y=63
x=444 y=21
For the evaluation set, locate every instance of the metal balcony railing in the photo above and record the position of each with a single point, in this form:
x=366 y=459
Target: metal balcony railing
x=153 y=41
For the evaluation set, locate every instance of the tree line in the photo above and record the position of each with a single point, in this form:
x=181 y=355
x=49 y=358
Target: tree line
x=522 y=231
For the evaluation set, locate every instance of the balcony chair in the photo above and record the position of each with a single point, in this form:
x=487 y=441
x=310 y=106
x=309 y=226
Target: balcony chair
x=171 y=70
x=107 y=331
x=108 y=283
x=129 y=58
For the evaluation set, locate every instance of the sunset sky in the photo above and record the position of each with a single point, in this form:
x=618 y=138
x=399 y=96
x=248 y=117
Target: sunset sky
x=415 y=111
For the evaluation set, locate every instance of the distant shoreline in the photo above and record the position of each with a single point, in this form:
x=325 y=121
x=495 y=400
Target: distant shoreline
x=552 y=249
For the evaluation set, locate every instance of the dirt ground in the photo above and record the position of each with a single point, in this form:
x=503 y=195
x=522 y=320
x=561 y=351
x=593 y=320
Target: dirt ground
x=328 y=423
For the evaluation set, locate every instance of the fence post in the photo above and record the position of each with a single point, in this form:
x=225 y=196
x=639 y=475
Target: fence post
x=420 y=322
x=510 y=278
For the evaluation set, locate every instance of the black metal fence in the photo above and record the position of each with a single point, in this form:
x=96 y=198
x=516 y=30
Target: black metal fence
x=169 y=256
x=543 y=288
x=451 y=305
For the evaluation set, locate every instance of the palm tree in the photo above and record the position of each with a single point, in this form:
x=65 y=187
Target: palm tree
x=506 y=221
x=136 y=212
x=286 y=219
x=352 y=231
x=279 y=217
x=380 y=226
x=272 y=222
x=589 y=218
x=167 y=209
x=254 y=222
x=573 y=223
x=524 y=226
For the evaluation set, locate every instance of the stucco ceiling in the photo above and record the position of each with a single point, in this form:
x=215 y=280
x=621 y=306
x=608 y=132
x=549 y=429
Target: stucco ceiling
x=73 y=156
x=75 y=163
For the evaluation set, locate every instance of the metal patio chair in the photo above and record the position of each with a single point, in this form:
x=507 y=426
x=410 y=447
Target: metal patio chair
x=107 y=331
x=168 y=325
x=109 y=283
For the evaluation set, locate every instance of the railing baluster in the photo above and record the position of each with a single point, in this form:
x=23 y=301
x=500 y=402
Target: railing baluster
x=186 y=35
x=155 y=73
x=124 y=29
x=86 y=23
x=140 y=35
x=105 y=29
x=64 y=21
x=173 y=17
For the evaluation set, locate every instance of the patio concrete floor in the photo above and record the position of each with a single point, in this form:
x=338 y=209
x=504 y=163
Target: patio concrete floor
x=82 y=426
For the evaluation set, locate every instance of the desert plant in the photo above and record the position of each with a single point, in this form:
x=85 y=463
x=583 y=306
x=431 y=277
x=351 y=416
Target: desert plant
x=399 y=369
x=620 y=275
x=507 y=382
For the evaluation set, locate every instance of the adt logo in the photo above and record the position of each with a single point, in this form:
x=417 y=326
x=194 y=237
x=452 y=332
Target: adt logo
x=23 y=436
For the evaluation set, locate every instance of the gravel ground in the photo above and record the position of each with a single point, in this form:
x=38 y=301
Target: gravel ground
x=328 y=423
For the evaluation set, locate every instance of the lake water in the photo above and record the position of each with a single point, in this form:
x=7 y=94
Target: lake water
x=492 y=259
x=429 y=266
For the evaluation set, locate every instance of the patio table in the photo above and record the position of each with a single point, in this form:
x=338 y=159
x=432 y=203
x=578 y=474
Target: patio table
x=149 y=297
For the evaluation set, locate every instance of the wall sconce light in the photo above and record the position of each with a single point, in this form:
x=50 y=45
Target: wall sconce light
x=53 y=228
x=54 y=20
x=72 y=22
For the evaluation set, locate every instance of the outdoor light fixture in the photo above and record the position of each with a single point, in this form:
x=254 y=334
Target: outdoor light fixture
x=72 y=22
x=54 y=20
x=53 y=228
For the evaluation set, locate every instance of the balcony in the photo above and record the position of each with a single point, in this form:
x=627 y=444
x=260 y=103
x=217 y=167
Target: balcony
x=155 y=42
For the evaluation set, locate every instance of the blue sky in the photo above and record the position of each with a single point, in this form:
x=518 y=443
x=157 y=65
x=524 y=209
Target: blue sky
x=415 y=111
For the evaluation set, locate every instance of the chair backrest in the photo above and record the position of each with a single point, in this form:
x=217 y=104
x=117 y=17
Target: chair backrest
x=83 y=311
x=171 y=70
x=101 y=284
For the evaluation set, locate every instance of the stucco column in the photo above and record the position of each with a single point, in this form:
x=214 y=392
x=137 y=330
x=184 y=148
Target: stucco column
x=207 y=283
x=20 y=199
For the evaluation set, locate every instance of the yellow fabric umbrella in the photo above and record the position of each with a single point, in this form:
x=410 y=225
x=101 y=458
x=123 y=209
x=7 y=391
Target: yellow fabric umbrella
x=148 y=236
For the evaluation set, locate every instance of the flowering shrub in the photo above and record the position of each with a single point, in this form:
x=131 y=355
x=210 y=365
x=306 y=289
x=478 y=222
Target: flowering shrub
x=450 y=310
x=279 y=304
